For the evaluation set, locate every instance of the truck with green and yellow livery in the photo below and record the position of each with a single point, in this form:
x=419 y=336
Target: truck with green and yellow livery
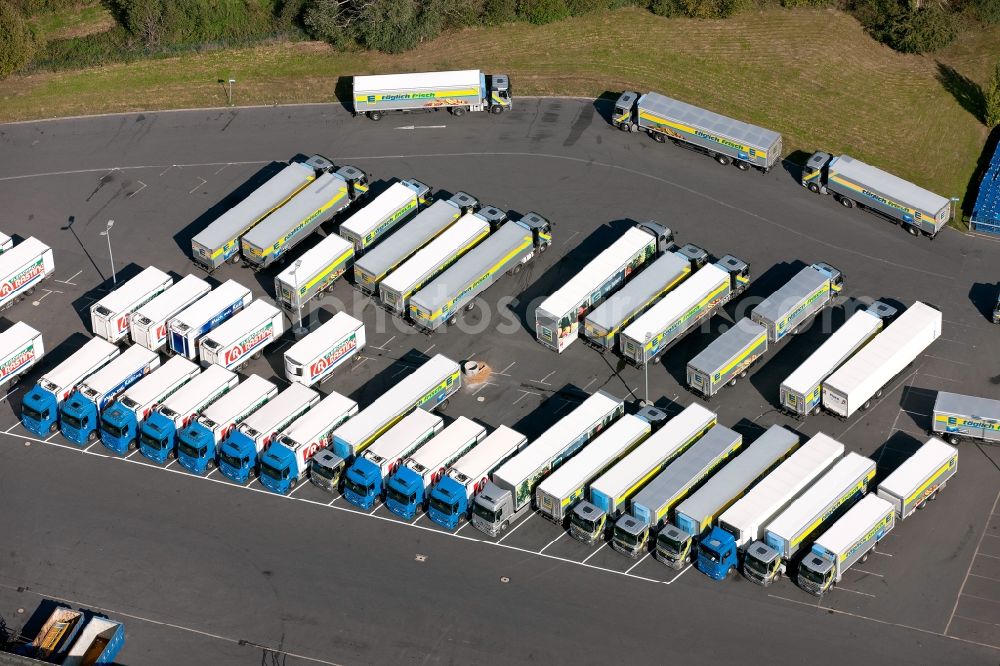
x=456 y=91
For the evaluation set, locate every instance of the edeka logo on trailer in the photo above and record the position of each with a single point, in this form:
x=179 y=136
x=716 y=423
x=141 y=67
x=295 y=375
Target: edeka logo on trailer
x=250 y=343
x=17 y=361
x=23 y=278
x=323 y=365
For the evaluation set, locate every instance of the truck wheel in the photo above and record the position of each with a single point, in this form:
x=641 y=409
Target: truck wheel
x=912 y=230
x=375 y=115
x=504 y=525
x=814 y=188
x=865 y=406
x=952 y=439
x=453 y=320
x=878 y=394
x=846 y=203
x=235 y=259
x=742 y=166
x=258 y=354
x=470 y=306
x=743 y=374
x=92 y=435
x=732 y=382
x=721 y=159
x=496 y=110
x=210 y=465
x=457 y=110
x=443 y=405
x=516 y=269
x=657 y=137
x=815 y=411
x=53 y=427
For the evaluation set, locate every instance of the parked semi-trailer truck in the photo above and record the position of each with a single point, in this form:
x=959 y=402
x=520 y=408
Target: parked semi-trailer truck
x=20 y=349
x=109 y=317
x=79 y=415
x=219 y=242
x=508 y=495
x=314 y=358
x=590 y=520
x=651 y=507
x=242 y=337
x=148 y=325
x=428 y=386
x=187 y=328
x=799 y=300
x=240 y=450
x=406 y=490
x=383 y=259
x=801 y=392
x=506 y=251
x=313 y=273
x=386 y=211
x=920 y=478
x=22 y=269
x=861 y=379
x=457 y=91
x=158 y=433
x=766 y=559
x=727 y=358
x=121 y=421
x=558 y=318
x=450 y=500
x=693 y=301
x=40 y=405
x=721 y=551
x=320 y=200
x=854 y=183
x=958 y=417
x=725 y=139
x=602 y=325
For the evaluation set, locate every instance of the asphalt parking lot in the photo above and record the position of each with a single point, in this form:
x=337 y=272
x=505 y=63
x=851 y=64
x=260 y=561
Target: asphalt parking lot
x=217 y=573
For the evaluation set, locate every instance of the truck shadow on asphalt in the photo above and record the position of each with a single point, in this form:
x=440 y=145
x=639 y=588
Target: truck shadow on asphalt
x=794 y=163
x=385 y=379
x=984 y=298
x=891 y=454
x=558 y=403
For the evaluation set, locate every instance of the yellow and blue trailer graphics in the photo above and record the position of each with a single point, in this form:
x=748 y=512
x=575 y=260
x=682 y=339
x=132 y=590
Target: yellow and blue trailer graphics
x=457 y=91
x=801 y=298
x=314 y=272
x=728 y=357
x=920 y=478
x=957 y=417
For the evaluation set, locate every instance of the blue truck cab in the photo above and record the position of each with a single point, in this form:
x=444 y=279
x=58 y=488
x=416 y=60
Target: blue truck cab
x=363 y=483
x=119 y=428
x=238 y=457
x=280 y=470
x=157 y=437
x=447 y=503
x=196 y=447
x=40 y=411
x=717 y=554
x=78 y=419
x=404 y=493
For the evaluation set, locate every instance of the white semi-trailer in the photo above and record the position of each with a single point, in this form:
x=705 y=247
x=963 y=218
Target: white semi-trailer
x=109 y=317
x=457 y=91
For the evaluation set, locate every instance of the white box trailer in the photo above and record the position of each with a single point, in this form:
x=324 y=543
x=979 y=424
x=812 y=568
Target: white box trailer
x=956 y=417
x=556 y=494
x=920 y=478
x=6 y=242
x=411 y=432
x=313 y=273
x=205 y=314
x=148 y=324
x=314 y=358
x=245 y=335
x=22 y=268
x=458 y=91
x=20 y=348
x=220 y=240
x=727 y=358
x=365 y=227
x=861 y=379
x=557 y=319
x=798 y=300
x=801 y=391
x=226 y=413
x=109 y=317
x=428 y=263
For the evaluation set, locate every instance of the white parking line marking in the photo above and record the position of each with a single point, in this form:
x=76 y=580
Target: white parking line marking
x=544 y=380
x=942 y=358
x=596 y=551
x=594 y=379
x=132 y=194
x=986 y=577
x=846 y=589
x=214 y=470
x=385 y=343
x=70 y=279
x=516 y=528
x=972 y=619
x=681 y=573
x=641 y=560
x=561 y=535
x=51 y=436
x=428 y=350
x=13 y=390
x=504 y=371
x=203 y=181
x=965 y=580
x=868 y=573
x=467 y=523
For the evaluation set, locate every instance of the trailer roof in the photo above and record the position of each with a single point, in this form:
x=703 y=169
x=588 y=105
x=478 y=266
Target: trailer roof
x=278 y=408
x=362 y=222
x=822 y=362
x=723 y=348
x=596 y=272
x=444 y=444
x=120 y=367
x=803 y=283
x=915 y=469
x=967 y=405
x=250 y=390
x=330 y=409
x=889 y=185
x=416 y=81
x=436 y=252
x=480 y=460
x=859 y=518
x=126 y=295
x=427 y=224
x=677 y=302
x=212 y=303
x=151 y=386
x=191 y=394
x=317 y=341
x=21 y=253
x=639 y=290
x=253 y=314
x=751 y=135
x=14 y=337
x=314 y=196
x=315 y=259
x=167 y=302
x=396 y=439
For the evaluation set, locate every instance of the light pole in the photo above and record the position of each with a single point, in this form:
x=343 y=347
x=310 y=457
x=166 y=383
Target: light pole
x=300 y=331
x=107 y=232
x=645 y=365
x=954 y=207
x=230 y=91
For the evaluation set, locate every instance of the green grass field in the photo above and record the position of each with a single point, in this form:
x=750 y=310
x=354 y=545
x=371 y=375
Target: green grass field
x=813 y=75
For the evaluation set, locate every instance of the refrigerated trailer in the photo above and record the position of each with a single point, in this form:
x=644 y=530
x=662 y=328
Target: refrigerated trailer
x=458 y=91
x=799 y=300
x=386 y=211
x=187 y=328
x=313 y=273
x=22 y=269
x=109 y=317
x=558 y=318
x=148 y=325
x=920 y=478
x=725 y=139
x=20 y=348
x=314 y=358
x=242 y=337
x=956 y=417
x=727 y=358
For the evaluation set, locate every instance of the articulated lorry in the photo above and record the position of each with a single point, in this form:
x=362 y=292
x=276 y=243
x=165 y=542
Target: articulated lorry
x=99 y=642
x=406 y=490
x=651 y=507
x=428 y=386
x=40 y=406
x=380 y=261
x=20 y=349
x=457 y=91
x=727 y=358
x=956 y=417
x=79 y=415
x=790 y=533
x=240 y=450
x=188 y=327
x=319 y=201
x=862 y=379
x=721 y=551
x=158 y=433
x=313 y=273
x=680 y=541
x=726 y=140
x=591 y=520
x=219 y=242
x=121 y=421
x=242 y=337
x=313 y=359
x=22 y=269
x=109 y=317
x=507 y=250
x=800 y=394
x=854 y=183
x=690 y=303
x=559 y=492
x=198 y=443
x=603 y=324
x=364 y=480
x=799 y=300
x=558 y=318
x=148 y=325
x=385 y=212
x=450 y=500
x=507 y=497
x=920 y=478
x=848 y=541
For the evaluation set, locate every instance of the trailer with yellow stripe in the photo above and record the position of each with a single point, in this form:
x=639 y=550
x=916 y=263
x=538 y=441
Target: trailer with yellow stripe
x=957 y=417
x=457 y=91
x=920 y=478
x=314 y=272
x=727 y=358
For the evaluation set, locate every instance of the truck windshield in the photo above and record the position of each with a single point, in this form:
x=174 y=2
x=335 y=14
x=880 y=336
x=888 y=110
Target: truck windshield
x=584 y=524
x=400 y=498
x=233 y=461
x=113 y=430
x=323 y=471
x=359 y=489
x=152 y=442
x=755 y=564
x=810 y=575
x=190 y=451
x=712 y=555
x=668 y=544
x=72 y=421
x=625 y=537
x=439 y=505
x=272 y=472
x=487 y=514
x=33 y=414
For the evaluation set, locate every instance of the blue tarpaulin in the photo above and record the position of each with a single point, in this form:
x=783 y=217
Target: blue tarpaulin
x=986 y=212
